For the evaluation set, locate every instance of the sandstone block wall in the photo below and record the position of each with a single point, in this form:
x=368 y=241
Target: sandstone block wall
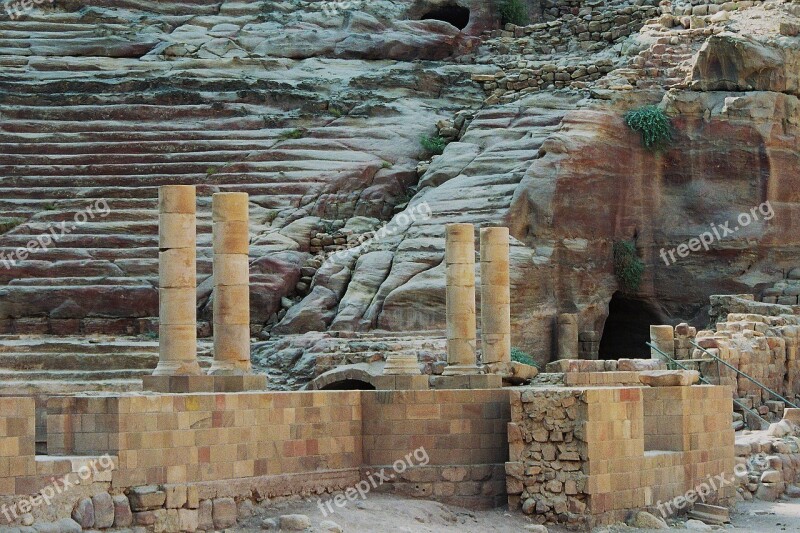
x=587 y=456
x=209 y=437
x=463 y=432
x=17 y=446
x=765 y=347
x=253 y=439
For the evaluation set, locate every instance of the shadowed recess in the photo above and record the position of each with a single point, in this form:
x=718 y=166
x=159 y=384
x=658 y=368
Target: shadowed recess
x=456 y=15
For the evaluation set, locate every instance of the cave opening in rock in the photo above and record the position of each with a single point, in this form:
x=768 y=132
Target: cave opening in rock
x=452 y=14
x=349 y=384
x=627 y=328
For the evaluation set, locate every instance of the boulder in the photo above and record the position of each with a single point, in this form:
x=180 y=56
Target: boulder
x=83 y=513
x=103 y=510
x=224 y=513
x=146 y=498
x=645 y=520
x=123 y=517
x=294 y=522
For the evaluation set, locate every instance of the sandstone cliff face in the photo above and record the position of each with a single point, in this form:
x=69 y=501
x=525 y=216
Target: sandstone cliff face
x=319 y=116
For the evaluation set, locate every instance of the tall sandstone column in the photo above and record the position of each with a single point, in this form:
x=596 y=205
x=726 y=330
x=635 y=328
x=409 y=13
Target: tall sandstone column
x=177 y=344
x=495 y=296
x=461 y=330
x=229 y=213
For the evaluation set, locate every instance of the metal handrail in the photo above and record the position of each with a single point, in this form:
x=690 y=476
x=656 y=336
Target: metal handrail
x=745 y=375
x=704 y=380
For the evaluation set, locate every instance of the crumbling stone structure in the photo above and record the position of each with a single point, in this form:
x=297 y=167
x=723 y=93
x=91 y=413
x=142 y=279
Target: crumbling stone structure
x=586 y=457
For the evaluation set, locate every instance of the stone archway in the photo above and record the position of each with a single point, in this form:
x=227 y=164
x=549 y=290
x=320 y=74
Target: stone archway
x=627 y=327
x=360 y=376
x=453 y=14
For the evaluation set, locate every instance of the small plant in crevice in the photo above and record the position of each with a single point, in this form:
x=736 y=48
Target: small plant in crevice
x=387 y=164
x=628 y=268
x=519 y=356
x=652 y=124
x=292 y=134
x=210 y=171
x=513 y=12
x=7 y=224
x=434 y=145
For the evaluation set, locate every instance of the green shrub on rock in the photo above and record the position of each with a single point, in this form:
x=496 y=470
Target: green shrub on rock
x=514 y=12
x=653 y=124
x=521 y=357
x=628 y=268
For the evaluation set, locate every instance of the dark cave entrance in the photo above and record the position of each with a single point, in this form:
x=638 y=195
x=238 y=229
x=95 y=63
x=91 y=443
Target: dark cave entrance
x=456 y=15
x=349 y=384
x=627 y=328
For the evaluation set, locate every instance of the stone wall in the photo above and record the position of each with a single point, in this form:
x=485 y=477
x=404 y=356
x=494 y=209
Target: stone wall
x=17 y=447
x=771 y=459
x=464 y=435
x=588 y=456
x=207 y=437
x=763 y=347
x=184 y=460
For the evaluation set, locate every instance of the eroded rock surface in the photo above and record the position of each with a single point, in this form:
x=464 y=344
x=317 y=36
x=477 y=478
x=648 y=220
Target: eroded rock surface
x=319 y=117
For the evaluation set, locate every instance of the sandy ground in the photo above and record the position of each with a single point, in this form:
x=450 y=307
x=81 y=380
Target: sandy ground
x=384 y=513
x=390 y=513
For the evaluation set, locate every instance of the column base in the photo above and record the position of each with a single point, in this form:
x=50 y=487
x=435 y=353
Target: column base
x=227 y=369
x=401 y=382
x=407 y=365
x=178 y=368
x=202 y=383
x=474 y=381
x=462 y=370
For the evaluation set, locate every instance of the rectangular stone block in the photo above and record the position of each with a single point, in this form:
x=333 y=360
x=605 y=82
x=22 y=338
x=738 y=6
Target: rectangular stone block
x=178 y=384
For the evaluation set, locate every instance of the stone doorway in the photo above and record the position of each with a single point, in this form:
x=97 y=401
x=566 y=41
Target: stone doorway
x=627 y=327
x=452 y=14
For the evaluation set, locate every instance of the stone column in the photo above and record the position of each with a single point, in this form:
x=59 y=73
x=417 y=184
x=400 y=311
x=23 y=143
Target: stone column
x=567 y=336
x=231 y=236
x=663 y=338
x=177 y=339
x=495 y=297
x=461 y=328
